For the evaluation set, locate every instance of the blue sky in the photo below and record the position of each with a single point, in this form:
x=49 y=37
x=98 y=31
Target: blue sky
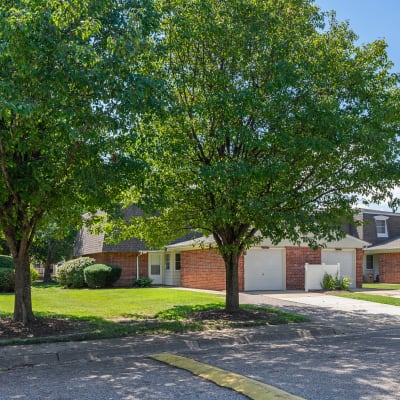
x=371 y=20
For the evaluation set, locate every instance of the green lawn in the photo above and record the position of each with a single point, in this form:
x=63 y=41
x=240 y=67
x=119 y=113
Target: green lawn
x=121 y=312
x=382 y=286
x=50 y=300
x=370 y=297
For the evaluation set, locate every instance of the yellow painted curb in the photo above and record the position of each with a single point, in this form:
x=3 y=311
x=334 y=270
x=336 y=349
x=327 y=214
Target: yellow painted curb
x=249 y=387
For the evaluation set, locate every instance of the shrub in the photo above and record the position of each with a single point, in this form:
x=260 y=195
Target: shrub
x=70 y=274
x=115 y=274
x=101 y=275
x=143 y=282
x=6 y=262
x=34 y=274
x=331 y=283
x=7 y=279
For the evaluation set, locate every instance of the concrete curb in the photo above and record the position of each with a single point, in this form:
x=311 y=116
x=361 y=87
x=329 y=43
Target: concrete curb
x=97 y=350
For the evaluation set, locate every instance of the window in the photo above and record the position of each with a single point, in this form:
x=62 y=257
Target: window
x=155 y=269
x=177 y=262
x=370 y=262
x=167 y=261
x=381 y=226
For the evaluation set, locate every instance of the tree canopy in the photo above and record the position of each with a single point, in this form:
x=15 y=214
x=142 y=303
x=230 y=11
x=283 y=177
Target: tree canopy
x=275 y=123
x=63 y=68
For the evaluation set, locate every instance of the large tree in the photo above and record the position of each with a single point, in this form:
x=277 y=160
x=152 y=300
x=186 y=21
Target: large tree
x=63 y=65
x=275 y=123
x=53 y=242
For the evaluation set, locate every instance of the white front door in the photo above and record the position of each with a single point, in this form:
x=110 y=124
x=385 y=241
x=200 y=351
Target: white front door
x=264 y=269
x=155 y=268
x=346 y=259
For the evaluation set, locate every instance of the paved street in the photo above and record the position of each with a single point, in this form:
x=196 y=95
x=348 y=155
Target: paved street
x=349 y=353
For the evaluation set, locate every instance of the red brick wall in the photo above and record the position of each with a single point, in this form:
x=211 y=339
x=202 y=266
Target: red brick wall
x=389 y=267
x=296 y=257
x=205 y=269
x=127 y=261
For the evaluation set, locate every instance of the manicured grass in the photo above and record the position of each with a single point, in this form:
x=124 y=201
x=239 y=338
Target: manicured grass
x=382 y=286
x=122 y=312
x=53 y=300
x=370 y=297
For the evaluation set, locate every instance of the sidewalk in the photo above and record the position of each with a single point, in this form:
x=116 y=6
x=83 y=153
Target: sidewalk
x=325 y=321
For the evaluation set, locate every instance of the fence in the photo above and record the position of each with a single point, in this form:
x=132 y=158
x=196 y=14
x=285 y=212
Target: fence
x=314 y=273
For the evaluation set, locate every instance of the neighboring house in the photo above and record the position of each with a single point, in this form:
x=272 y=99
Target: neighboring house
x=382 y=258
x=197 y=264
x=265 y=266
x=131 y=255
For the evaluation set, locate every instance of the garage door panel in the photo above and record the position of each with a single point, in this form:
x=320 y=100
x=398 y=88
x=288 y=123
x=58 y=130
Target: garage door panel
x=346 y=260
x=264 y=269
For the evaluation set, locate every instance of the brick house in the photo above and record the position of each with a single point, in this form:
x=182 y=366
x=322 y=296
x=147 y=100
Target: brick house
x=131 y=255
x=381 y=260
x=265 y=266
x=197 y=264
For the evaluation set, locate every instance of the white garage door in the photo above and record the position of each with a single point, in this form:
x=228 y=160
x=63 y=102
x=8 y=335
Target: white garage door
x=347 y=261
x=264 y=269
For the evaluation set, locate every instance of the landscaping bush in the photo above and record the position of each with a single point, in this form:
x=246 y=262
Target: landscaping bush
x=331 y=283
x=115 y=274
x=7 y=279
x=6 y=262
x=70 y=274
x=143 y=282
x=7 y=274
x=101 y=275
x=34 y=273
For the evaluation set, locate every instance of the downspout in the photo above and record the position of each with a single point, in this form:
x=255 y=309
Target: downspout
x=137 y=262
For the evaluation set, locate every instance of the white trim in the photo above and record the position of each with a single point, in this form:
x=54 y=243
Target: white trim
x=384 y=219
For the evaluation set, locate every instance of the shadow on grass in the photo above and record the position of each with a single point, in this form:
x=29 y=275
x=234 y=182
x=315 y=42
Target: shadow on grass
x=45 y=285
x=178 y=319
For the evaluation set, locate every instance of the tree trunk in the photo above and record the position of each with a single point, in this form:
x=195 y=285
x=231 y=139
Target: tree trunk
x=47 y=268
x=232 y=281
x=23 y=301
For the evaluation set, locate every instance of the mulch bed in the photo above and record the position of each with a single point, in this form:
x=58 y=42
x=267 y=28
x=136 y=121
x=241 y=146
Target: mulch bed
x=243 y=315
x=40 y=327
x=47 y=327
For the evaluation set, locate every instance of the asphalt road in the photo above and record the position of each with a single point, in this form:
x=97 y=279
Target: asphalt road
x=364 y=366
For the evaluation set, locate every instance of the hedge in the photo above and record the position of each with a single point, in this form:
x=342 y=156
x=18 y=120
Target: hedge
x=6 y=262
x=70 y=274
x=7 y=279
x=101 y=275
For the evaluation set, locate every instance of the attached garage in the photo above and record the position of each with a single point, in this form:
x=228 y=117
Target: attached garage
x=264 y=269
x=347 y=260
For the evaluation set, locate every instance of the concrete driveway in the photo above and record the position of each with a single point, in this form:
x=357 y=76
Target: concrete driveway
x=344 y=315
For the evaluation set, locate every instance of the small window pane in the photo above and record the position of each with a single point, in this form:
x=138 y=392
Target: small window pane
x=381 y=227
x=177 y=262
x=155 y=270
x=167 y=261
x=370 y=262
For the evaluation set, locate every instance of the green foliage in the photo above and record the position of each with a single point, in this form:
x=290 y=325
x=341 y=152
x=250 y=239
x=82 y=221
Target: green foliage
x=100 y=275
x=71 y=273
x=34 y=273
x=143 y=282
x=335 y=283
x=6 y=262
x=7 y=279
x=272 y=127
x=7 y=274
x=53 y=242
x=63 y=117
x=114 y=275
x=328 y=282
